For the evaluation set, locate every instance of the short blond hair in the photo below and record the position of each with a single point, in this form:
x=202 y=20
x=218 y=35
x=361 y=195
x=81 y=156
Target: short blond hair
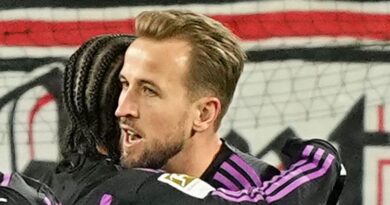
x=216 y=61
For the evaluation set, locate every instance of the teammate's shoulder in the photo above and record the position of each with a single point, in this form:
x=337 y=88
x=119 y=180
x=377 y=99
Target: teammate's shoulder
x=135 y=177
x=262 y=168
x=121 y=187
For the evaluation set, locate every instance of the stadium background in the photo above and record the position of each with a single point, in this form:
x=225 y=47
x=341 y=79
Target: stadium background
x=315 y=69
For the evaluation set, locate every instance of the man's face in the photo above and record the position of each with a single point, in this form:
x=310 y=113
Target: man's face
x=154 y=110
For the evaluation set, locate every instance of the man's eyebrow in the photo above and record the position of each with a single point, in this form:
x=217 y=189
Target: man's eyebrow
x=121 y=77
x=142 y=82
x=148 y=82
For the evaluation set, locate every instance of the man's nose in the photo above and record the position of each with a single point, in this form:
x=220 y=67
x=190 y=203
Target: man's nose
x=127 y=105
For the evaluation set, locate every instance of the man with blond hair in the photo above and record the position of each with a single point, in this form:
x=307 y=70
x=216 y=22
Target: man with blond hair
x=178 y=79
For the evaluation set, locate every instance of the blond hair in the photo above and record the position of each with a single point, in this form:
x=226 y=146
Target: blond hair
x=216 y=61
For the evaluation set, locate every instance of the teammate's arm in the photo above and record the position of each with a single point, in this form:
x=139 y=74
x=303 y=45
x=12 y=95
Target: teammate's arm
x=314 y=176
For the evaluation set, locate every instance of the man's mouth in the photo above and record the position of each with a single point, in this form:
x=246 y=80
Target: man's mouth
x=131 y=138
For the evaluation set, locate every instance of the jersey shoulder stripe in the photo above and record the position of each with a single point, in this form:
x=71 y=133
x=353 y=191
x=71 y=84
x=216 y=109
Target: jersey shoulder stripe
x=314 y=163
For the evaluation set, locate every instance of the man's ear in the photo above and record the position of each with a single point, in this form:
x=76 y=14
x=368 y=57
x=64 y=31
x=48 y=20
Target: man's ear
x=208 y=110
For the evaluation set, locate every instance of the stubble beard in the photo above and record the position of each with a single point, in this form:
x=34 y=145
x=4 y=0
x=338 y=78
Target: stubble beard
x=157 y=154
x=153 y=158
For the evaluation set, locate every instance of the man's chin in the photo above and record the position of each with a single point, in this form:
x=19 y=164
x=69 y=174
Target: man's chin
x=124 y=164
x=145 y=163
x=127 y=163
x=152 y=160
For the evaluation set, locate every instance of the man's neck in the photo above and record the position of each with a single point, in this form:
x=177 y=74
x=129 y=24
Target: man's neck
x=197 y=155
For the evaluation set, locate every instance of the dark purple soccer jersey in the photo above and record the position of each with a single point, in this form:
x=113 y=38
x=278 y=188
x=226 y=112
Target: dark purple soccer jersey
x=310 y=179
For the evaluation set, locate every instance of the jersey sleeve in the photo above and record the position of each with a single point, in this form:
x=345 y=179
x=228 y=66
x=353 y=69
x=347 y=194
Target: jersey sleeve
x=314 y=176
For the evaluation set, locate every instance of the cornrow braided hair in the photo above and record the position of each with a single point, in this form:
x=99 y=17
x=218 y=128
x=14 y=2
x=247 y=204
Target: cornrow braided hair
x=90 y=91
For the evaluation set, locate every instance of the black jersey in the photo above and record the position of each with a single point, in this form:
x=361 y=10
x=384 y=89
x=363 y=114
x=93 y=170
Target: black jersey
x=310 y=179
x=77 y=175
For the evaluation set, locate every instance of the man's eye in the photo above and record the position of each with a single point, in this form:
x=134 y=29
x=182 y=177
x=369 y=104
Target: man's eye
x=148 y=91
x=124 y=84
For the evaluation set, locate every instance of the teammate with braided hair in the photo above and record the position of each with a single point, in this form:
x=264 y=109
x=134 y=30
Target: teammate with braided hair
x=90 y=147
